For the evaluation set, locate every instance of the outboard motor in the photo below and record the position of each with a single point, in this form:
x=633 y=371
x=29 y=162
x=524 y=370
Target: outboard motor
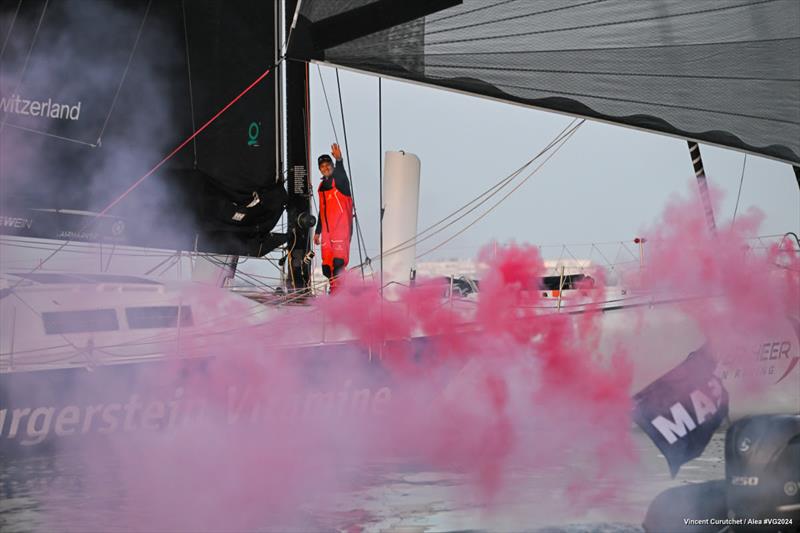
x=762 y=472
x=761 y=490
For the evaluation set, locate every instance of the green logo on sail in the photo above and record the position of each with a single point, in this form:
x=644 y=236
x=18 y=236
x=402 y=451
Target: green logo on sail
x=253 y=131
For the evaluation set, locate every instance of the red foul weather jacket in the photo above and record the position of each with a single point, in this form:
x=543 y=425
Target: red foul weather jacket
x=335 y=221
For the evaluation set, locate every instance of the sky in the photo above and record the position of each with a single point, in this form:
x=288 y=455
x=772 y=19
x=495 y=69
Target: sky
x=606 y=184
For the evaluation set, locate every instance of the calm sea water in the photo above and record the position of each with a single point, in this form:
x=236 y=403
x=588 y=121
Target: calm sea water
x=388 y=497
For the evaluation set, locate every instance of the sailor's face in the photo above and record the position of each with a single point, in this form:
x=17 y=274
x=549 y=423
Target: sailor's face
x=326 y=169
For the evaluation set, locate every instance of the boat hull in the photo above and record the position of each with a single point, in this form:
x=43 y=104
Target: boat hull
x=54 y=409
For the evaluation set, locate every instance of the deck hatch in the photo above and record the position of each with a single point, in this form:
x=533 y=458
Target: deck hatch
x=162 y=316
x=59 y=322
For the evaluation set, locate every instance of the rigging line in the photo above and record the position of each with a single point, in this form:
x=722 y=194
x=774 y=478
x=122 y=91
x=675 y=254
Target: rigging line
x=175 y=262
x=501 y=200
x=34 y=245
x=577 y=261
x=82 y=252
x=189 y=72
x=600 y=252
x=165 y=337
x=416 y=238
x=34 y=350
x=184 y=143
x=124 y=74
x=242 y=276
x=170 y=256
x=791 y=234
x=625 y=247
x=289 y=266
x=53 y=135
x=602 y=24
x=413 y=241
x=110 y=256
x=10 y=29
x=85 y=253
x=261 y=276
x=739 y=194
x=327 y=103
x=489 y=193
x=10 y=240
x=272 y=262
x=156 y=167
x=562 y=142
x=380 y=171
x=27 y=58
x=359 y=236
x=561 y=254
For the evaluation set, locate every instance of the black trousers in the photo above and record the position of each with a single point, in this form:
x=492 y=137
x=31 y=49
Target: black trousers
x=338 y=268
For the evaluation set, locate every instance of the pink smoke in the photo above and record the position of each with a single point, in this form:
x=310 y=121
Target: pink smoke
x=525 y=372
x=507 y=386
x=520 y=387
x=734 y=292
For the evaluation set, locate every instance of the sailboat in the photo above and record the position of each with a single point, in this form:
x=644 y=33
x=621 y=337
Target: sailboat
x=218 y=94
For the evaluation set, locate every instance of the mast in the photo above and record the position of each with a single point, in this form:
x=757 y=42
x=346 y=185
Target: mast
x=700 y=174
x=293 y=145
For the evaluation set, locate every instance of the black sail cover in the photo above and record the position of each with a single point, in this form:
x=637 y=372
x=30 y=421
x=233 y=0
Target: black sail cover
x=95 y=93
x=723 y=72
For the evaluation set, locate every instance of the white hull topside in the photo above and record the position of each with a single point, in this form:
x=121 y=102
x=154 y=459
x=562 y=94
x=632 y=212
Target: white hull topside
x=656 y=335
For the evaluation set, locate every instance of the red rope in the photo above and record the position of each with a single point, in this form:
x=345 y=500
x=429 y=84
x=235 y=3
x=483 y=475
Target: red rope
x=180 y=146
x=151 y=171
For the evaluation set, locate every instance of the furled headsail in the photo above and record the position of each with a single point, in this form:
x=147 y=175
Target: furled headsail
x=94 y=94
x=724 y=72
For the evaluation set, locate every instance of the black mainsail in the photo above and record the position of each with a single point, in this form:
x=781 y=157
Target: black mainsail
x=95 y=93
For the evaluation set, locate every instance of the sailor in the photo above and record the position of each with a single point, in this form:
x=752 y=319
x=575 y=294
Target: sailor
x=335 y=221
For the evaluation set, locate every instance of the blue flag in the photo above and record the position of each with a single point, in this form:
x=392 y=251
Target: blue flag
x=682 y=409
